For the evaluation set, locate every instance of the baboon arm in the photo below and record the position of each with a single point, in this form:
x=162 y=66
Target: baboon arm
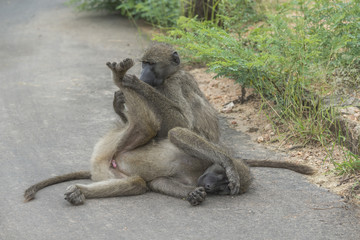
x=199 y=147
x=119 y=105
x=170 y=187
x=134 y=185
x=148 y=92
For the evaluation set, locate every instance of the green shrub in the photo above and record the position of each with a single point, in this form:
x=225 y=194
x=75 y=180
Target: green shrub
x=160 y=12
x=86 y=5
x=297 y=46
x=237 y=15
x=204 y=42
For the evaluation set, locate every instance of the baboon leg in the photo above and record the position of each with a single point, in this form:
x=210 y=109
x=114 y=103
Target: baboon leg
x=141 y=123
x=114 y=142
x=136 y=132
x=199 y=147
x=168 y=186
x=119 y=70
x=171 y=187
x=131 y=81
x=76 y=194
x=143 y=89
x=161 y=105
x=136 y=135
x=104 y=151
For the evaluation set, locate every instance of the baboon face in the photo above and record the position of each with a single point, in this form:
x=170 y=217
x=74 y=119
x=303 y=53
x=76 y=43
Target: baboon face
x=214 y=180
x=158 y=63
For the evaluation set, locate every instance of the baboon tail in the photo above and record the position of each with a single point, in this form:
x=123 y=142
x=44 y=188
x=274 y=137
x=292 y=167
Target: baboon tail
x=300 y=168
x=31 y=191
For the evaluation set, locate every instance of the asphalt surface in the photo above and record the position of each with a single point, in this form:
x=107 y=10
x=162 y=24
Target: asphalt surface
x=56 y=101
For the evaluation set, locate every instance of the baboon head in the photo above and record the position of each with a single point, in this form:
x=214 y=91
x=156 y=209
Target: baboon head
x=159 y=62
x=214 y=180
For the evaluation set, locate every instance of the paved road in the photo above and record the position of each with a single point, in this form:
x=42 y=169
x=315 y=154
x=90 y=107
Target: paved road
x=55 y=102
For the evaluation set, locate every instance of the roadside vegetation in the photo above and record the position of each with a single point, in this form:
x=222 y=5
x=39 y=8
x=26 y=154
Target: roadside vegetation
x=292 y=53
x=161 y=13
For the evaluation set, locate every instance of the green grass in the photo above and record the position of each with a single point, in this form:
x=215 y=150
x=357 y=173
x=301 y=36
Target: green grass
x=351 y=164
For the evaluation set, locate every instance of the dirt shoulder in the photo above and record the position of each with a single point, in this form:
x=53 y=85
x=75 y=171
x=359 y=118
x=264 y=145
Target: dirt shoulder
x=250 y=118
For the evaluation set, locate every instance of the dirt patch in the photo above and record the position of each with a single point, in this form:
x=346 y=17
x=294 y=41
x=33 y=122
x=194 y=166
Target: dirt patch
x=250 y=118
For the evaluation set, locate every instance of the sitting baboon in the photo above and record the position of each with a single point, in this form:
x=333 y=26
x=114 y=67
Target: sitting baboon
x=175 y=91
x=176 y=101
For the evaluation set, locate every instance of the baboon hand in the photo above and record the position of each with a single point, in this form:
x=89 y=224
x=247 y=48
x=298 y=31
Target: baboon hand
x=234 y=182
x=74 y=196
x=119 y=98
x=197 y=196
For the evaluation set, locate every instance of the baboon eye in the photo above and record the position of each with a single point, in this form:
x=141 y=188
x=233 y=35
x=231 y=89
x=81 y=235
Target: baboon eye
x=144 y=63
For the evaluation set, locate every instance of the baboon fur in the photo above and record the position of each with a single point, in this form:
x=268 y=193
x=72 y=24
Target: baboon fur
x=167 y=137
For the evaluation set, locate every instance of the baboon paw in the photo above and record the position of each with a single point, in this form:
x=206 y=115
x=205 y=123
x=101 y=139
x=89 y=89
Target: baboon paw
x=119 y=97
x=197 y=196
x=234 y=187
x=112 y=65
x=126 y=64
x=234 y=181
x=74 y=196
x=122 y=66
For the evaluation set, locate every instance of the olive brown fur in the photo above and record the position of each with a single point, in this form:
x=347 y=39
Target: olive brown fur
x=167 y=137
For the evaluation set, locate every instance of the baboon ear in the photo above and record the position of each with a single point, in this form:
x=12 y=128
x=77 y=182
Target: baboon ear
x=176 y=58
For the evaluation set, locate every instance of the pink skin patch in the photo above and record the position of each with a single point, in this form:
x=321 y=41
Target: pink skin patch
x=113 y=163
